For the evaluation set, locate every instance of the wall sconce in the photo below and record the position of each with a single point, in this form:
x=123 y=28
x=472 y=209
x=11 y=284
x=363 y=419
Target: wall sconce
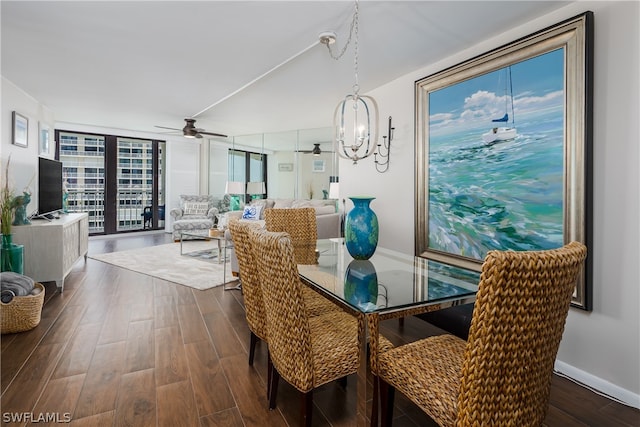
x=382 y=165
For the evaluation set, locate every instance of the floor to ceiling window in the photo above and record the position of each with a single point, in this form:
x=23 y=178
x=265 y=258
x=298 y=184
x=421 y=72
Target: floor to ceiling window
x=119 y=181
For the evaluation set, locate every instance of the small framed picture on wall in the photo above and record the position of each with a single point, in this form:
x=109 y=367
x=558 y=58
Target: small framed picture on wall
x=44 y=138
x=20 y=130
x=318 y=166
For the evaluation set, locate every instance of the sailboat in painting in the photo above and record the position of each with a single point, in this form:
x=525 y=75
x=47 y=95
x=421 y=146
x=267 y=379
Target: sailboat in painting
x=506 y=131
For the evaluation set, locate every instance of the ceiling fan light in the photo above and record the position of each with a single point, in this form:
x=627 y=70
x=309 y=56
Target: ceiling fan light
x=316 y=150
x=190 y=132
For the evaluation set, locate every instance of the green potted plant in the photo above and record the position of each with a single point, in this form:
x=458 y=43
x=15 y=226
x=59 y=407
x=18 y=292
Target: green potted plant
x=11 y=255
x=6 y=205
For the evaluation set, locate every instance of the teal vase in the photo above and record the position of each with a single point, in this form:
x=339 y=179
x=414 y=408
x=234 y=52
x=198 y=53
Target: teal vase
x=361 y=284
x=11 y=255
x=361 y=229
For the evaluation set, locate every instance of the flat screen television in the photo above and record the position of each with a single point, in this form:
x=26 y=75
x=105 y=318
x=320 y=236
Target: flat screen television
x=49 y=187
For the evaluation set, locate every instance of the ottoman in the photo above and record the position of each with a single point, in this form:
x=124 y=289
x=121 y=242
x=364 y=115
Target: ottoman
x=194 y=225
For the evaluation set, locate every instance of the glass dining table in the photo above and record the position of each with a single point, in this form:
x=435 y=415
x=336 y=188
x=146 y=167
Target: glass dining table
x=388 y=285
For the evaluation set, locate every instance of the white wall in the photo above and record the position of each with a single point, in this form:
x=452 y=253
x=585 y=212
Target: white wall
x=600 y=348
x=183 y=173
x=24 y=161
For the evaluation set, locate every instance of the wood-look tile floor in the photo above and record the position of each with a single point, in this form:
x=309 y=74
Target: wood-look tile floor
x=121 y=348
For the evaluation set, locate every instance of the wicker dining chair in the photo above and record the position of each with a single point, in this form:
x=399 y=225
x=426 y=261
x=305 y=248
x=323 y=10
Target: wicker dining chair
x=306 y=351
x=315 y=304
x=502 y=375
x=301 y=225
x=254 y=307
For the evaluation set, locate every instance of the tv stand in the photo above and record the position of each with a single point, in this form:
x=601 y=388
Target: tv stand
x=48 y=216
x=52 y=247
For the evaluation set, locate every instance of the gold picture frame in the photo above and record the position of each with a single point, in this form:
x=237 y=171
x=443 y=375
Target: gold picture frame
x=485 y=183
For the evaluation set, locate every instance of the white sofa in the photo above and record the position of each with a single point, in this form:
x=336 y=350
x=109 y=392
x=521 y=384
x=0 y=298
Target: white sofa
x=328 y=221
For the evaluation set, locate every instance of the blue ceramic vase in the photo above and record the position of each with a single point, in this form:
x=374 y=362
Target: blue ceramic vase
x=361 y=229
x=361 y=284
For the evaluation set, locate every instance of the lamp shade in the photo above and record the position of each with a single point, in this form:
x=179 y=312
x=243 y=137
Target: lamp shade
x=234 y=187
x=334 y=190
x=256 y=187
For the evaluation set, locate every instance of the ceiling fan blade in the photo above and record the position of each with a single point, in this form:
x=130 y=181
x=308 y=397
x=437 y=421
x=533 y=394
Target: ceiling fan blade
x=164 y=127
x=212 y=134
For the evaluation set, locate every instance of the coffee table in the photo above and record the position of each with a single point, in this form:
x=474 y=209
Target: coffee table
x=223 y=244
x=204 y=235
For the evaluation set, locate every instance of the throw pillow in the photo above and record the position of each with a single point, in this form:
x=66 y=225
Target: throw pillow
x=282 y=203
x=225 y=204
x=195 y=208
x=265 y=203
x=251 y=212
x=301 y=203
x=324 y=210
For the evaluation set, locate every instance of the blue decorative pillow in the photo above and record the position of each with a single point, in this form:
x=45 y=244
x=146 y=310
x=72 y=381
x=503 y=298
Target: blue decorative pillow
x=251 y=212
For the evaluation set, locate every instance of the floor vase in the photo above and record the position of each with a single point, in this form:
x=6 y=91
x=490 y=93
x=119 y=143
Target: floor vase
x=361 y=229
x=11 y=255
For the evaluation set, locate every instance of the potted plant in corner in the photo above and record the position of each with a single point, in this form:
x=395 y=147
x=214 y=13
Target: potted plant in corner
x=11 y=255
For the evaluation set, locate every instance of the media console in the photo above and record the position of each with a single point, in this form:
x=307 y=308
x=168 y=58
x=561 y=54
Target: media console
x=52 y=247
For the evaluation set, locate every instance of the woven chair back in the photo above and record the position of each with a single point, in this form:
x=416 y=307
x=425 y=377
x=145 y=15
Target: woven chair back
x=300 y=224
x=519 y=315
x=254 y=305
x=287 y=323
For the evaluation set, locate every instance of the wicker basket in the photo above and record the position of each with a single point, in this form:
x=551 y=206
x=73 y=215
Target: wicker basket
x=22 y=313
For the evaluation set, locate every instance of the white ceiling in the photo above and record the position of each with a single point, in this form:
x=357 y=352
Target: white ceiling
x=136 y=64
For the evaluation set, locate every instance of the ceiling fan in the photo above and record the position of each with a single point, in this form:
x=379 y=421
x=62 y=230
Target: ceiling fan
x=316 y=151
x=191 y=131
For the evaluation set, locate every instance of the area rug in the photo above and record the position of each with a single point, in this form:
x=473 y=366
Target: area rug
x=198 y=269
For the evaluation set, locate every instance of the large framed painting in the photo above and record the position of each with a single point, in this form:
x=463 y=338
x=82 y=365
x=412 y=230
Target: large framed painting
x=503 y=151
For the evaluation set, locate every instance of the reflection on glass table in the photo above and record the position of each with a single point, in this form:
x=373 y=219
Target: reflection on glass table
x=388 y=285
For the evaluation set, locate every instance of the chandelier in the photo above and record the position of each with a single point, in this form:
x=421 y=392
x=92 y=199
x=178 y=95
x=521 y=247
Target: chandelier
x=355 y=118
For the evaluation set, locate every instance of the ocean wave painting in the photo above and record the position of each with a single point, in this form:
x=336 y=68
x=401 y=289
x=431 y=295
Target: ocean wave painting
x=489 y=194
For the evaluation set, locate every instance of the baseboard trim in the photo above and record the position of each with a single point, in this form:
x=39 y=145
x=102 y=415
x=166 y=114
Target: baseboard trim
x=598 y=384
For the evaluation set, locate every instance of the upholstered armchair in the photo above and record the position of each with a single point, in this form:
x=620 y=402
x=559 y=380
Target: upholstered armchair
x=194 y=213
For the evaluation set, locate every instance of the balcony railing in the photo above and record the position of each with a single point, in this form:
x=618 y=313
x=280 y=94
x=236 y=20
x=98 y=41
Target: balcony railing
x=131 y=204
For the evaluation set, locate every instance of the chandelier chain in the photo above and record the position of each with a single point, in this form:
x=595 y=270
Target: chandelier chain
x=356 y=86
x=363 y=141
x=353 y=29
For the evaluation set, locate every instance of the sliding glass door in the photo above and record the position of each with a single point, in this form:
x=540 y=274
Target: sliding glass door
x=138 y=195
x=119 y=181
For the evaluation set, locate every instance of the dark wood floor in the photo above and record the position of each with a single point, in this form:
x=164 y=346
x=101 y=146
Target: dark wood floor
x=122 y=348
